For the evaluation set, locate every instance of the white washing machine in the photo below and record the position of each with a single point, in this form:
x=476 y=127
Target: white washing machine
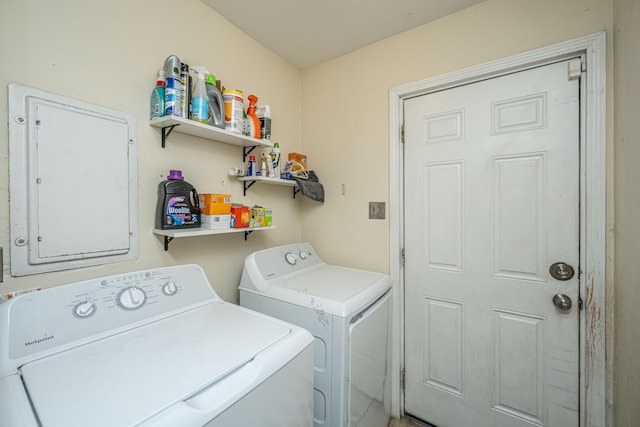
x=154 y=348
x=346 y=310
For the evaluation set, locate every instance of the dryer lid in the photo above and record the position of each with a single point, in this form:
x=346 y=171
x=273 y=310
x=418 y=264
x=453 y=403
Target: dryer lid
x=128 y=377
x=336 y=290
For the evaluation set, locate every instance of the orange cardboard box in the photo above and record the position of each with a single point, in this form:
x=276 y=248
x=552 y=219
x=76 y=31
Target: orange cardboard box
x=214 y=204
x=240 y=216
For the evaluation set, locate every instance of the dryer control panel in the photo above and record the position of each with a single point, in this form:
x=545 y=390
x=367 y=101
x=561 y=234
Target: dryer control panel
x=287 y=259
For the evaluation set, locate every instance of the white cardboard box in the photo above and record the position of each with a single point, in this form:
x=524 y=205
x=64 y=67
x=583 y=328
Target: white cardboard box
x=215 y=221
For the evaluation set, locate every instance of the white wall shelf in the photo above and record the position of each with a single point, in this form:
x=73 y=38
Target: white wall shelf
x=169 y=123
x=169 y=235
x=248 y=181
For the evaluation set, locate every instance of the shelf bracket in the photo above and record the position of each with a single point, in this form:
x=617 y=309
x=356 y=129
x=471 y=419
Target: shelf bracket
x=166 y=133
x=245 y=153
x=296 y=190
x=246 y=234
x=167 y=240
x=247 y=185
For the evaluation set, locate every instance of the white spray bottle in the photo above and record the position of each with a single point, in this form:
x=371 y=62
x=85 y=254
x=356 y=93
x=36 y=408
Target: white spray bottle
x=199 y=99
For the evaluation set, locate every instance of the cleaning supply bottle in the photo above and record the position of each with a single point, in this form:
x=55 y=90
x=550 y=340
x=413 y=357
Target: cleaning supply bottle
x=275 y=160
x=172 y=88
x=233 y=110
x=252 y=120
x=263 y=112
x=245 y=124
x=216 y=104
x=157 y=96
x=251 y=166
x=185 y=91
x=199 y=99
x=266 y=166
x=177 y=205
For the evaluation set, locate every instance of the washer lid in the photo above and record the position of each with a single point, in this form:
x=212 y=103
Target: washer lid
x=126 y=378
x=336 y=290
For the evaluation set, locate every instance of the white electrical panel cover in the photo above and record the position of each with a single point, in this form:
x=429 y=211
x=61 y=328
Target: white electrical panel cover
x=73 y=183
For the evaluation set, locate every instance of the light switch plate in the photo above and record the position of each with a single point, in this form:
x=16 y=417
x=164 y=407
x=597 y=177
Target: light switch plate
x=376 y=210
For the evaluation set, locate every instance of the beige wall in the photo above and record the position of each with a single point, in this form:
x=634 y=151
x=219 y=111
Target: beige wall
x=345 y=112
x=108 y=53
x=627 y=212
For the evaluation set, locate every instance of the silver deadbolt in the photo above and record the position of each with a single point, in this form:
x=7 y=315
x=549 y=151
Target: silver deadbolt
x=562 y=301
x=561 y=271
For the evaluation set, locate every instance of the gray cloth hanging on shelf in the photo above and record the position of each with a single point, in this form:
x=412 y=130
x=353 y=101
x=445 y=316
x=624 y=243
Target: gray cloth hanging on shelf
x=311 y=187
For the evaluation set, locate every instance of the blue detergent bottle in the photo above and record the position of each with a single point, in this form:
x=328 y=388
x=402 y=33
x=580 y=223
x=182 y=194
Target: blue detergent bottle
x=177 y=205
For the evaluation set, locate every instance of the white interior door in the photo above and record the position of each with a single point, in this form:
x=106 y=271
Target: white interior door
x=491 y=202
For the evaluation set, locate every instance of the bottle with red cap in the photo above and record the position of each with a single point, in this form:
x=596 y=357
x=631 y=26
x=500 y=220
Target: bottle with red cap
x=251 y=166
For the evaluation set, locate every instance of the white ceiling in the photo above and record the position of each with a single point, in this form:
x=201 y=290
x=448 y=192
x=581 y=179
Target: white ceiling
x=308 y=32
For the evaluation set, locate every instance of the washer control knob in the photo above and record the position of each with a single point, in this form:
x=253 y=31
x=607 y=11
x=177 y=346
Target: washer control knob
x=132 y=298
x=291 y=258
x=302 y=255
x=170 y=288
x=85 y=309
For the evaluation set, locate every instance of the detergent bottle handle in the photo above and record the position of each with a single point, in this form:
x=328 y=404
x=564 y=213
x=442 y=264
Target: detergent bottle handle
x=217 y=108
x=194 y=199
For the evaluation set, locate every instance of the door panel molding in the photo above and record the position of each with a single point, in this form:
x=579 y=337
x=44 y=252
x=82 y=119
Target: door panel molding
x=595 y=379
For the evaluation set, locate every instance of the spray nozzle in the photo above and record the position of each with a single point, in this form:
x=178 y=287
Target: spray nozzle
x=201 y=71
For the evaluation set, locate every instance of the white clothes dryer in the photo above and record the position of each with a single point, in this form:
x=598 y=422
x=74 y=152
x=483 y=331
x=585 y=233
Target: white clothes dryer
x=153 y=348
x=346 y=310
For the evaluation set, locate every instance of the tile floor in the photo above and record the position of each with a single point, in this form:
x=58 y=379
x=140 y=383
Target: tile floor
x=402 y=422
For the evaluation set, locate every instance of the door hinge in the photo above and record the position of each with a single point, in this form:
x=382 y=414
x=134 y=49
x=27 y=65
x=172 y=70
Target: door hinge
x=402 y=133
x=403 y=377
x=576 y=67
x=579 y=303
x=402 y=256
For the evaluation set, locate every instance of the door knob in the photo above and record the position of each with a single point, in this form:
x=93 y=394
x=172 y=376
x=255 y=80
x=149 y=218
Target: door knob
x=562 y=301
x=561 y=271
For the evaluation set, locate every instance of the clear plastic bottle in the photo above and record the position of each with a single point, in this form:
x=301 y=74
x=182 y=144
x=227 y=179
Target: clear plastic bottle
x=199 y=99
